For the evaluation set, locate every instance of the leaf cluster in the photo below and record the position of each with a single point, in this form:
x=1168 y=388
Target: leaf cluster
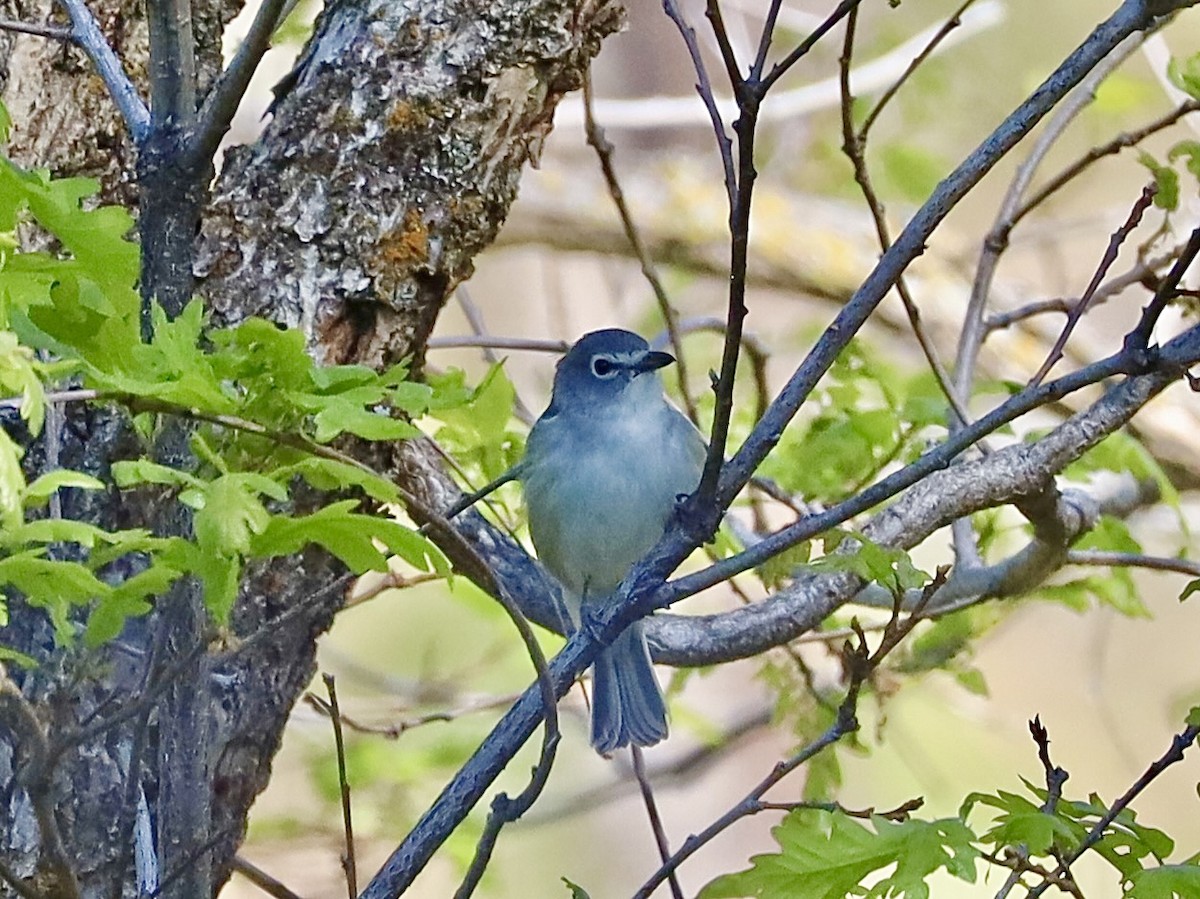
x=262 y=415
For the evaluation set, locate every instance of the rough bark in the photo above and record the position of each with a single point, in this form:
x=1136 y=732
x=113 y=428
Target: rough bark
x=390 y=160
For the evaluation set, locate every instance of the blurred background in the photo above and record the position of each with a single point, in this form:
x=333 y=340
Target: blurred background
x=1110 y=688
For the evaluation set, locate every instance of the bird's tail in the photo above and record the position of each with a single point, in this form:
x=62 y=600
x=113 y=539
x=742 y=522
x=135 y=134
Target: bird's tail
x=627 y=705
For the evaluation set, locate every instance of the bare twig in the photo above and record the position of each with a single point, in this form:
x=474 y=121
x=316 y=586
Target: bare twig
x=704 y=88
x=935 y=41
x=996 y=241
x=52 y=32
x=1109 y=148
x=604 y=153
x=36 y=766
x=781 y=68
x=845 y=723
x=859 y=663
x=262 y=879
x=660 y=835
x=214 y=117
x=854 y=146
x=1078 y=309
x=1132 y=560
x=475 y=319
x=19 y=886
x=1138 y=339
x=349 y=862
x=394 y=731
x=499 y=343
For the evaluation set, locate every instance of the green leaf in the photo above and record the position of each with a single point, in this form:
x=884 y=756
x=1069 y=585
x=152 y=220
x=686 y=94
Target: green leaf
x=1190 y=588
x=127 y=600
x=351 y=537
x=577 y=892
x=19 y=375
x=1165 y=882
x=143 y=471
x=347 y=416
x=12 y=483
x=231 y=512
x=329 y=475
x=52 y=585
x=1166 y=179
x=826 y=855
x=37 y=493
x=890 y=567
x=1185 y=75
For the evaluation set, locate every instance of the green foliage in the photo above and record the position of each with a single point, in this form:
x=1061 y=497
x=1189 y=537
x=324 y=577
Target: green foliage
x=1111 y=586
x=577 y=892
x=890 y=567
x=263 y=409
x=865 y=416
x=1165 y=882
x=1185 y=75
x=828 y=855
x=1020 y=821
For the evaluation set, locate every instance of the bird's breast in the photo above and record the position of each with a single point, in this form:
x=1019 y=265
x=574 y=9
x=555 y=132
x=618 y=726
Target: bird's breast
x=599 y=497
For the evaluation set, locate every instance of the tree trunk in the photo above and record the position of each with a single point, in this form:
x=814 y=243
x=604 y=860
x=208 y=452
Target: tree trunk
x=391 y=158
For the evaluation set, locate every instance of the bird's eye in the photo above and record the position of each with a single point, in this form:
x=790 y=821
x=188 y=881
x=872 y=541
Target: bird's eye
x=603 y=368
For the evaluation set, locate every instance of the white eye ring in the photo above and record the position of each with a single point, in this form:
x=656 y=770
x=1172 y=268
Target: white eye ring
x=603 y=367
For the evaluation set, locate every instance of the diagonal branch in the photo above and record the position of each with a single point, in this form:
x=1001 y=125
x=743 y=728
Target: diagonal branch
x=86 y=33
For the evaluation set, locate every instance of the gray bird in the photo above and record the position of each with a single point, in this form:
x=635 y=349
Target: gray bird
x=604 y=468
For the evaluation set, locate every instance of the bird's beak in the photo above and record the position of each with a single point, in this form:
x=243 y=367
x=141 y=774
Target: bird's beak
x=652 y=361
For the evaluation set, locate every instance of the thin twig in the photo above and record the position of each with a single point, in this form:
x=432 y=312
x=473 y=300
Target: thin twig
x=1116 y=145
x=349 y=861
x=997 y=239
x=262 y=879
x=1106 y=262
x=854 y=146
x=860 y=663
x=19 y=886
x=604 y=153
x=704 y=88
x=500 y=343
x=35 y=763
x=189 y=860
x=52 y=32
x=215 y=116
x=395 y=731
x=940 y=35
x=475 y=320
x=86 y=33
x=1179 y=744
x=1138 y=339
x=1132 y=560
x=660 y=834
x=780 y=68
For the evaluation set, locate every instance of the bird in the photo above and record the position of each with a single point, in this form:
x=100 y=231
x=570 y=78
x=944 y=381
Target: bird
x=604 y=468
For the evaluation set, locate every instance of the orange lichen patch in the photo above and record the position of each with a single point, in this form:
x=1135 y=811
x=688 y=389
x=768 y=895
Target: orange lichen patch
x=405 y=116
x=404 y=247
